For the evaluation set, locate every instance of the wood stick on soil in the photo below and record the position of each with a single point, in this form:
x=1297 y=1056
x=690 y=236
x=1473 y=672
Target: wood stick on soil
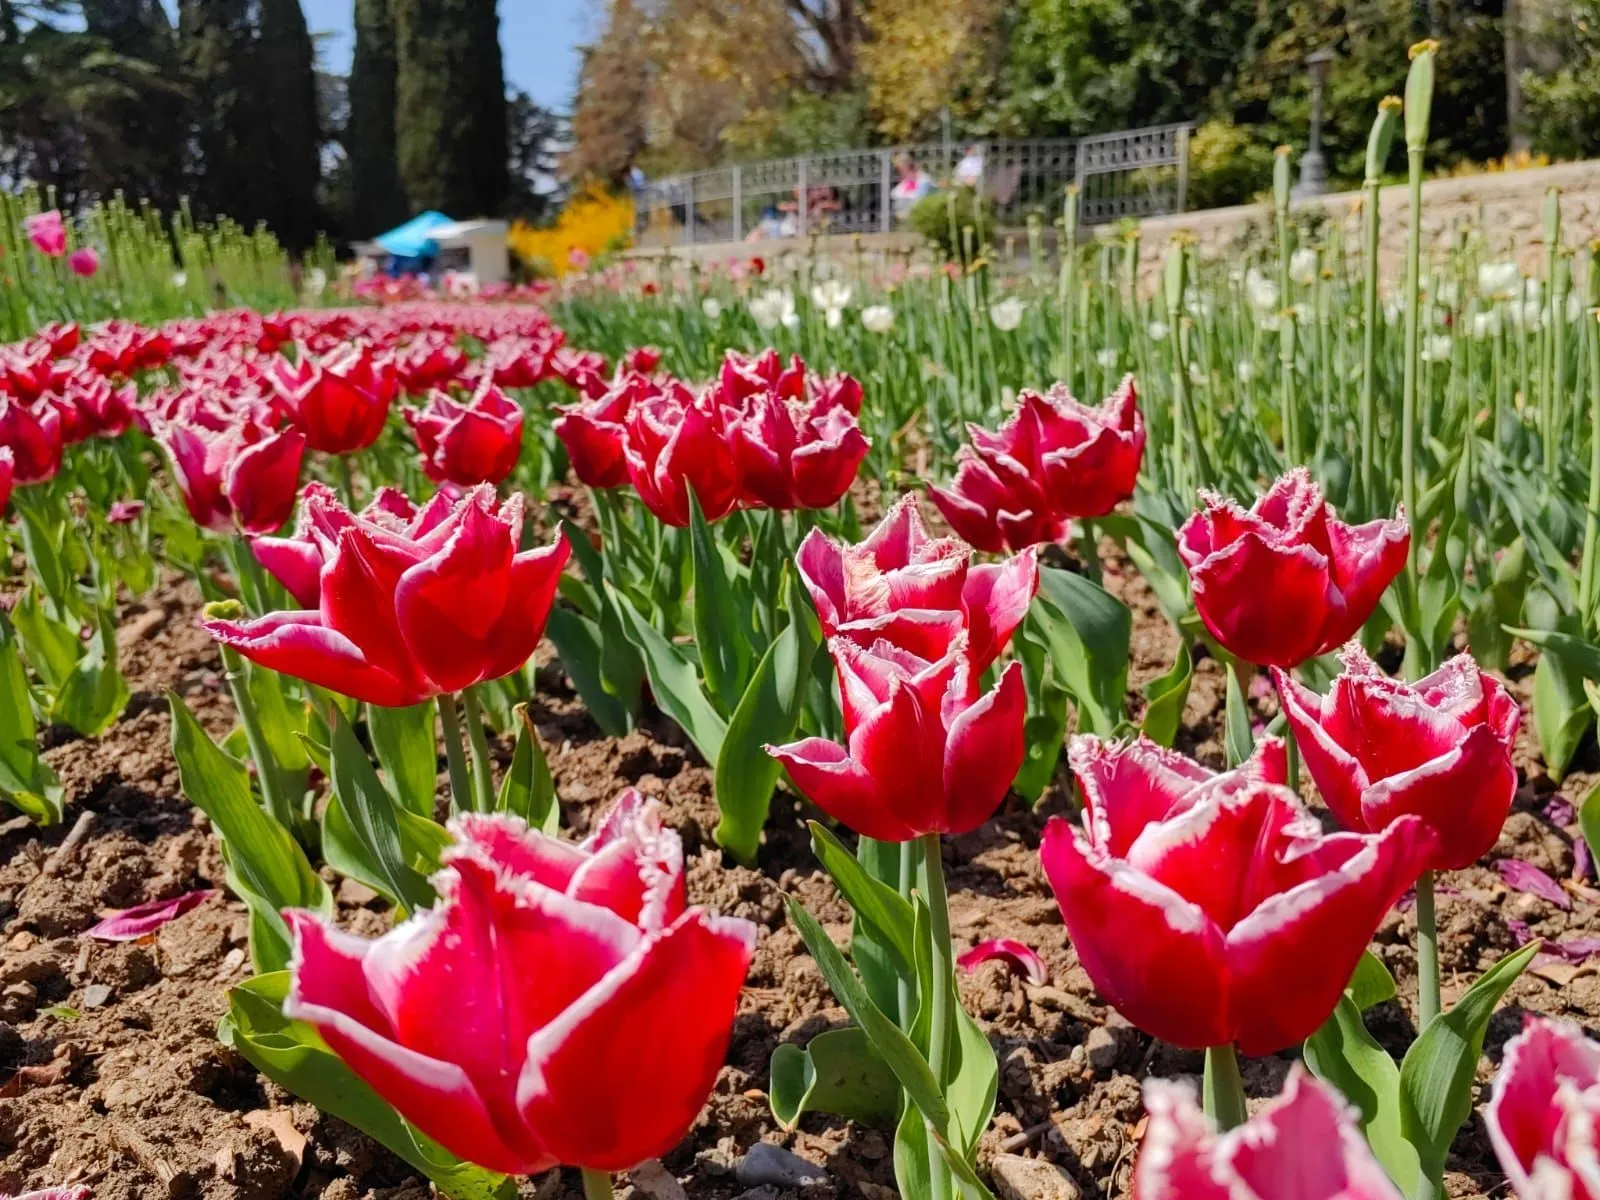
x=69 y=844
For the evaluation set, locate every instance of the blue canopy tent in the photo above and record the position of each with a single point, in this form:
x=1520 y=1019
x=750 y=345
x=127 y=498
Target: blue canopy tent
x=410 y=246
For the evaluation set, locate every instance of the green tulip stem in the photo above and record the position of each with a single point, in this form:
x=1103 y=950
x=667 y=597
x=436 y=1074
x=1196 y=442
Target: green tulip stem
x=943 y=974
x=482 y=767
x=1292 y=753
x=1427 y=953
x=596 y=1185
x=267 y=776
x=1223 y=1089
x=905 y=988
x=455 y=754
x=347 y=481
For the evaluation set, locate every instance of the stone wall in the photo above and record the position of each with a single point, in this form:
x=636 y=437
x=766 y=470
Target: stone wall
x=1505 y=206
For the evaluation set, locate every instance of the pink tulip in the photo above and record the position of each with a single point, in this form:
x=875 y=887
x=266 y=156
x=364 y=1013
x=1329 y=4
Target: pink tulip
x=1543 y=1116
x=899 y=569
x=245 y=476
x=84 y=261
x=927 y=751
x=594 y=430
x=8 y=470
x=412 y=610
x=34 y=437
x=297 y=561
x=1212 y=909
x=1304 y=1145
x=558 y=1005
x=1440 y=748
x=339 y=402
x=46 y=231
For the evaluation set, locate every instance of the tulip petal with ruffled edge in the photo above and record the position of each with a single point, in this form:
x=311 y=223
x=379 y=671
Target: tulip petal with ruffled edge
x=1230 y=917
x=926 y=753
x=1306 y=1144
x=468 y=444
x=339 y=402
x=899 y=568
x=674 y=445
x=1543 y=1115
x=1285 y=581
x=1090 y=455
x=992 y=513
x=514 y=1022
x=409 y=611
x=296 y=561
x=1378 y=748
x=243 y=477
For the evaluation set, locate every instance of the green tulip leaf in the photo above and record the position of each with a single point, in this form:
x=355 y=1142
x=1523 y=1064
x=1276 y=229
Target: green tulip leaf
x=1344 y=1054
x=673 y=680
x=403 y=741
x=292 y=1055
x=838 y=1072
x=882 y=910
x=1165 y=698
x=528 y=791
x=1088 y=631
x=1437 y=1075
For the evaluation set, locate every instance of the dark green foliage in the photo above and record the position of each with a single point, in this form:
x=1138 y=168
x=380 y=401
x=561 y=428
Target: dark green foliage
x=377 y=201
x=941 y=222
x=450 y=106
x=287 y=64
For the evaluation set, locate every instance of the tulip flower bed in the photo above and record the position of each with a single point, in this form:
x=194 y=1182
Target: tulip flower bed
x=506 y=749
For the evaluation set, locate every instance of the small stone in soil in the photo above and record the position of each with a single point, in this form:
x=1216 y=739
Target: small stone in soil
x=655 y=1181
x=1019 y=1178
x=766 y=1163
x=96 y=995
x=1102 y=1049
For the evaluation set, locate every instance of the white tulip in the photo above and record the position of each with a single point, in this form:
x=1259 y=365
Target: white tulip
x=180 y=279
x=831 y=294
x=1303 y=266
x=1485 y=324
x=1263 y=292
x=833 y=317
x=1107 y=358
x=877 y=318
x=1007 y=315
x=712 y=307
x=1499 y=281
x=1245 y=370
x=1437 y=348
x=772 y=308
x=1158 y=331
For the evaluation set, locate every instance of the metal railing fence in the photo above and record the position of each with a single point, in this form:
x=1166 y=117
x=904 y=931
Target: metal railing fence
x=1133 y=173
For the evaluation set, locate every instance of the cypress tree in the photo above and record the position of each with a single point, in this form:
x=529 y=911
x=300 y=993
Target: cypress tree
x=249 y=66
x=450 y=106
x=378 y=202
x=286 y=64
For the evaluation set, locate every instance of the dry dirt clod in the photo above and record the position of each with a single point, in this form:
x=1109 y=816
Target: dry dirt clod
x=655 y=1181
x=1019 y=1178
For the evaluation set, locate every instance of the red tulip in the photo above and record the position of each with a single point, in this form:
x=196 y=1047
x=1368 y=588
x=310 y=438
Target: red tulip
x=296 y=561
x=558 y=1005
x=584 y=371
x=1304 y=1145
x=1054 y=460
x=409 y=612
x=1287 y=581
x=84 y=261
x=997 y=505
x=340 y=402
x=1544 y=1114
x=469 y=443
x=898 y=568
x=46 y=231
x=794 y=454
x=593 y=431
x=245 y=476
x=1213 y=909
x=1439 y=748
x=34 y=439
x=107 y=410
x=675 y=442
x=643 y=359
x=926 y=752
x=8 y=472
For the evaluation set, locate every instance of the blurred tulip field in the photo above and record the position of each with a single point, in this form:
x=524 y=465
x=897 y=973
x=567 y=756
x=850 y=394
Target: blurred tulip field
x=826 y=722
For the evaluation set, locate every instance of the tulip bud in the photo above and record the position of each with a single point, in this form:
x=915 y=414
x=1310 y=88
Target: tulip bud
x=1382 y=136
x=1281 y=167
x=1419 y=95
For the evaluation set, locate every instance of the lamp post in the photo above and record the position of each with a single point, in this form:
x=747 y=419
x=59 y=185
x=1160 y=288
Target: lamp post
x=1313 y=167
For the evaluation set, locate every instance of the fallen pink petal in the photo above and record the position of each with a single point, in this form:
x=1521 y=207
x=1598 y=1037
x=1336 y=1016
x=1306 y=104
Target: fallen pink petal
x=1021 y=958
x=142 y=920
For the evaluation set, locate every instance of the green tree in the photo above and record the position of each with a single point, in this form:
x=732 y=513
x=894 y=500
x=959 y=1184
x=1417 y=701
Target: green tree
x=288 y=107
x=129 y=133
x=450 y=106
x=377 y=201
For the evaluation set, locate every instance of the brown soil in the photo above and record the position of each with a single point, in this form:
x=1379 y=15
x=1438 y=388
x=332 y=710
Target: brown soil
x=110 y=1073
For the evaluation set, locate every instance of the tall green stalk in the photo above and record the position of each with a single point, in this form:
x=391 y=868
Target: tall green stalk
x=1419 y=102
x=1068 y=295
x=1552 y=319
x=940 y=1027
x=1591 y=521
x=1378 y=142
x=1222 y=1088
x=1292 y=450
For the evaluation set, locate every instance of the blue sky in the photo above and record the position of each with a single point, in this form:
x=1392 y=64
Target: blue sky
x=539 y=39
